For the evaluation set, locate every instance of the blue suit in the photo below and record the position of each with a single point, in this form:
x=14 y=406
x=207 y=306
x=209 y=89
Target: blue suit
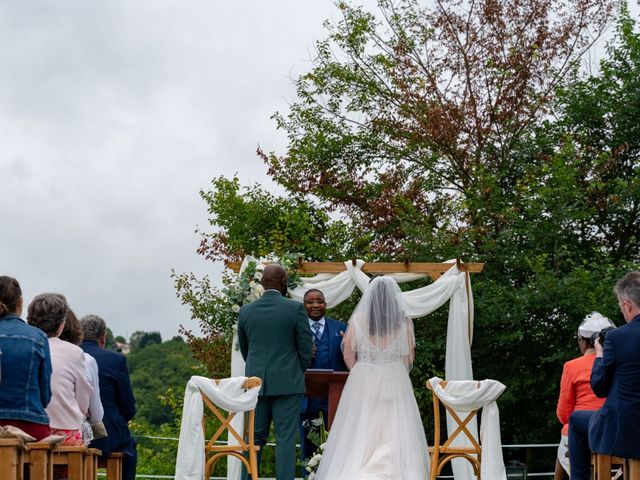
x=614 y=429
x=119 y=406
x=328 y=356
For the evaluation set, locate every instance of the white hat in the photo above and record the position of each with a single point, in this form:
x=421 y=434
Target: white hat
x=592 y=323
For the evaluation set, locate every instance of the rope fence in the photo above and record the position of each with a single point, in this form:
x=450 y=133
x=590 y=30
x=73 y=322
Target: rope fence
x=534 y=475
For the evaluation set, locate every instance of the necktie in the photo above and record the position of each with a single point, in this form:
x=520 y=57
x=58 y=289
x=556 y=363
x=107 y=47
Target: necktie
x=316 y=330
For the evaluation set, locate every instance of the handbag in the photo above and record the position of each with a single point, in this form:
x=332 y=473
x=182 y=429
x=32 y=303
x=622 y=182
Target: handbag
x=99 y=431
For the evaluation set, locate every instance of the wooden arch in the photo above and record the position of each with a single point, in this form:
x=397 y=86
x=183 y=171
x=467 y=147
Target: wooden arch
x=434 y=270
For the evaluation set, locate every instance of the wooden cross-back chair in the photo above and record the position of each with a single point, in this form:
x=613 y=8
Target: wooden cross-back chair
x=214 y=452
x=442 y=453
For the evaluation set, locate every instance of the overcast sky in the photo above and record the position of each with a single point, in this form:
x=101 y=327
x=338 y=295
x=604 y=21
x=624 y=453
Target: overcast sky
x=113 y=115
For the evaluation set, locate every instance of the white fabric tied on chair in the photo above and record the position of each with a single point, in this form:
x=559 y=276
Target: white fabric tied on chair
x=228 y=394
x=469 y=395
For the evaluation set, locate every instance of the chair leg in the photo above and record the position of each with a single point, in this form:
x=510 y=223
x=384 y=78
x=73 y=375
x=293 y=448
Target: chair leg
x=601 y=467
x=434 y=466
x=114 y=468
x=632 y=469
x=253 y=462
x=11 y=463
x=40 y=464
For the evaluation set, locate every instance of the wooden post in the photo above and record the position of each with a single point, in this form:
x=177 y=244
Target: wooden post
x=39 y=458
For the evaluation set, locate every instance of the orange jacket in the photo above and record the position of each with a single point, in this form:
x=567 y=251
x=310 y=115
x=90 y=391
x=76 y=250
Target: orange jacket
x=575 y=389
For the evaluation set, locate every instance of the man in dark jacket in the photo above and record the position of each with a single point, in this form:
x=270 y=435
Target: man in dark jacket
x=115 y=393
x=614 y=429
x=275 y=341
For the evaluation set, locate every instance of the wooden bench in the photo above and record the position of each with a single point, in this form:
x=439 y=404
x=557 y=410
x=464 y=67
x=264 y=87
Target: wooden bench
x=12 y=452
x=113 y=464
x=602 y=465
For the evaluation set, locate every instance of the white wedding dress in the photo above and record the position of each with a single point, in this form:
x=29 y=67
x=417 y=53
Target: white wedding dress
x=377 y=433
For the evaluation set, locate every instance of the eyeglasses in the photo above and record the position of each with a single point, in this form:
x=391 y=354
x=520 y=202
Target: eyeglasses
x=314 y=302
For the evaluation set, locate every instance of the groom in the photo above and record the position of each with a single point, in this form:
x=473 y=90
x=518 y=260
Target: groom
x=327 y=339
x=276 y=343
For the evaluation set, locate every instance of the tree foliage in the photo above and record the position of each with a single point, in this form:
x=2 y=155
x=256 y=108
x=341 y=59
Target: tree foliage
x=154 y=369
x=140 y=340
x=408 y=114
x=252 y=221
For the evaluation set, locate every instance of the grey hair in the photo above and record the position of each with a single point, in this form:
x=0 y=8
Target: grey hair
x=47 y=311
x=94 y=327
x=628 y=287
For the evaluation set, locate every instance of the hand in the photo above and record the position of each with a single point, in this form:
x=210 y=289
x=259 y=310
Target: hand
x=598 y=347
x=342 y=333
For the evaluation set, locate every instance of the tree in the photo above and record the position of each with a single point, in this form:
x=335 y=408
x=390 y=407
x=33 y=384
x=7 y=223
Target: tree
x=154 y=369
x=409 y=119
x=110 y=342
x=252 y=221
x=140 y=340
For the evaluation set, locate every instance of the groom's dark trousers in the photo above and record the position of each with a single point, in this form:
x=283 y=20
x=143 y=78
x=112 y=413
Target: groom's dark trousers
x=279 y=409
x=276 y=342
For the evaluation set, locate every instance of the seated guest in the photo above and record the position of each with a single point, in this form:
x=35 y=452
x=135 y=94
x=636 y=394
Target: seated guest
x=25 y=366
x=327 y=341
x=575 y=389
x=72 y=333
x=115 y=392
x=70 y=390
x=614 y=429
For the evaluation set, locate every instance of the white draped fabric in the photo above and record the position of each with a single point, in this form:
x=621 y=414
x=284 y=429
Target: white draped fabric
x=230 y=395
x=465 y=396
x=453 y=286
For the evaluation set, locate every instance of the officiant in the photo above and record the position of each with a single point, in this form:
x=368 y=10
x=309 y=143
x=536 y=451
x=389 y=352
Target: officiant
x=327 y=340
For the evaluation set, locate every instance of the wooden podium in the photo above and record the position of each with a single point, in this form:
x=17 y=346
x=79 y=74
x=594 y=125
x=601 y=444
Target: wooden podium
x=327 y=384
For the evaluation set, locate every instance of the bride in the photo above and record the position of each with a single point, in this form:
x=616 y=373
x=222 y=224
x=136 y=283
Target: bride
x=377 y=433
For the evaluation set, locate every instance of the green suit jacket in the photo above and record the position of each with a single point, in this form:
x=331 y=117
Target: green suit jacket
x=276 y=343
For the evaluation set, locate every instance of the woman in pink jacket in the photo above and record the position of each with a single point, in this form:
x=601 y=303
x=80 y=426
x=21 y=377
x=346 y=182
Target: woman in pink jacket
x=71 y=392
